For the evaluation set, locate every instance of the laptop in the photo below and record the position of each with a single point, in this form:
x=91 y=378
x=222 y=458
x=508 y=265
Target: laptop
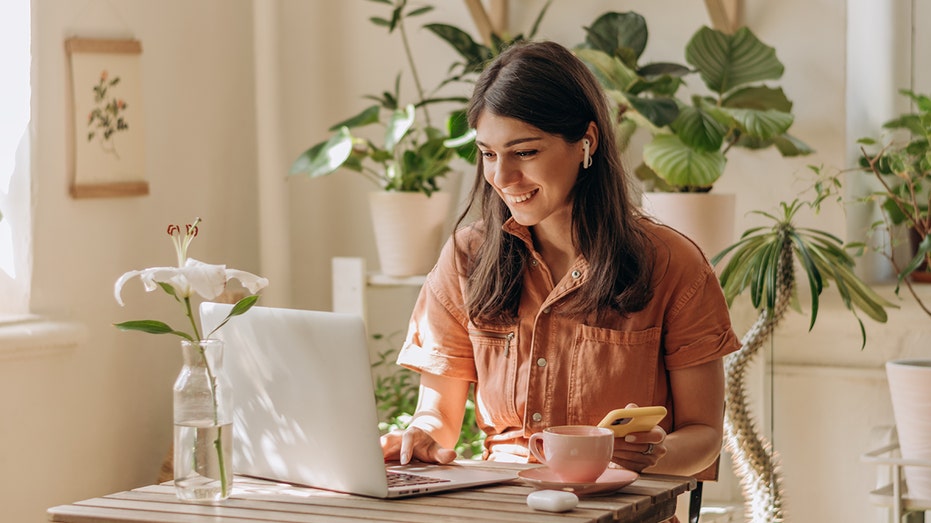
x=304 y=406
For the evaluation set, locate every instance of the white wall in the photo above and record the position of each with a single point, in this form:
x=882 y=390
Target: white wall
x=97 y=418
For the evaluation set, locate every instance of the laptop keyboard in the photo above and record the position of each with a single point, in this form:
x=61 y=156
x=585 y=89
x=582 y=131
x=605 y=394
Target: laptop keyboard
x=404 y=479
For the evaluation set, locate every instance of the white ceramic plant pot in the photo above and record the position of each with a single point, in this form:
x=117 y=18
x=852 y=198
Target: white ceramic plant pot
x=910 y=388
x=706 y=218
x=409 y=230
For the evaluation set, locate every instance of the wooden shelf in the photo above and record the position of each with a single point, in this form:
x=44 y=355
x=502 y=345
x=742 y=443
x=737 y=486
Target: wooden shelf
x=895 y=494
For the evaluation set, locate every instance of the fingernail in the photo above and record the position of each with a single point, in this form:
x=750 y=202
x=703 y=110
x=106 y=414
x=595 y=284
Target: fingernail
x=405 y=457
x=630 y=439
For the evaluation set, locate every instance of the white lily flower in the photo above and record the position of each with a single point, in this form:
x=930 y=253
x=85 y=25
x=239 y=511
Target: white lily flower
x=205 y=279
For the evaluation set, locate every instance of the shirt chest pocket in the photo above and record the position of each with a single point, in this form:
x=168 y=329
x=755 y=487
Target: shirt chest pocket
x=495 y=353
x=610 y=369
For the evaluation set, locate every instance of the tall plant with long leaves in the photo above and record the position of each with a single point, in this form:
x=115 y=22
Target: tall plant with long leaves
x=691 y=137
x=755 y=258
x=764 y=260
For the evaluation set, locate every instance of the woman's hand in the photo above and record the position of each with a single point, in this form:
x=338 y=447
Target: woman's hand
x=640 y=450
x=414 y=443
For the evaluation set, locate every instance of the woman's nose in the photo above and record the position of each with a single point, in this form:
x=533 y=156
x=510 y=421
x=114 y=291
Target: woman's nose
x=506 y=173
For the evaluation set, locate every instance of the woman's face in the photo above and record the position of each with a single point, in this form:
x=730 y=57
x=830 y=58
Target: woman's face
x=532 y=171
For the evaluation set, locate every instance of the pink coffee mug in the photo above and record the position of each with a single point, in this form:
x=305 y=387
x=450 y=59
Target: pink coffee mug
x=575 y=453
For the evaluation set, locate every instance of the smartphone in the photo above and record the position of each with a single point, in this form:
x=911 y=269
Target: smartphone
x=637 y=419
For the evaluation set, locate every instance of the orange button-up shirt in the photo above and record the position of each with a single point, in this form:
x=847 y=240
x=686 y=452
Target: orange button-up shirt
x=554 y=368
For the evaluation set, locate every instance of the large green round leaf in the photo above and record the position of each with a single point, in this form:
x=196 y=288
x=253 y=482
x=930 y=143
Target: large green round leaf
x=729 y=61
x=759 y=97
x=615 y=32
x=699 y=129
x=610 y=71
x=659 y=111
x=681 y=165
x=761 y=124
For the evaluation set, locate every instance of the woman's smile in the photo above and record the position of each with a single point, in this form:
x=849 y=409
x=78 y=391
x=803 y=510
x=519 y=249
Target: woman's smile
x=514 y=199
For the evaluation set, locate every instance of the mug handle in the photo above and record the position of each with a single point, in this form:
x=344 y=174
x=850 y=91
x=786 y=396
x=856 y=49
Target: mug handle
x=535 y=445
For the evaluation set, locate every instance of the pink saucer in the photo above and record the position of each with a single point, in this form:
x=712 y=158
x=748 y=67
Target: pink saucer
x=542 y=478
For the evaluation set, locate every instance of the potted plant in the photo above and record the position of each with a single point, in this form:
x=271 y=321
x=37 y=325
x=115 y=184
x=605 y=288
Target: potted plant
x=689 y=139
x=415 y=154
x=406 y=164
x=764 y=260
x=902 y=168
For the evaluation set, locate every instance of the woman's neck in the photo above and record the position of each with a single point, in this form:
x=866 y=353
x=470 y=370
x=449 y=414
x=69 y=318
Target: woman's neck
x=555 y=244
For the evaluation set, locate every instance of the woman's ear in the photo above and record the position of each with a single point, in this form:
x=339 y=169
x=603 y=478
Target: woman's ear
x=589 y=145
x=592 y=136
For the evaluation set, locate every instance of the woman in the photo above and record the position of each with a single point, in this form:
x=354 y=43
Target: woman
x=562 y=302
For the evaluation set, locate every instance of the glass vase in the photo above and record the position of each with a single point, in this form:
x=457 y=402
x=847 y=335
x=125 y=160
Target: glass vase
x=203 y=418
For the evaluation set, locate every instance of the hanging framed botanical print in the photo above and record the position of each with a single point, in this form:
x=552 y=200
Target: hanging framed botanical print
x=106 y=142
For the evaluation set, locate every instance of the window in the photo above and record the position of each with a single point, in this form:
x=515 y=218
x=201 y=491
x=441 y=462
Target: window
x=15 y=201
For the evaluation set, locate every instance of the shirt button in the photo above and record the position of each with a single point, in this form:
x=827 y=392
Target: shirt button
x=537 y=417
x=546 y=310
x=541 y=362
x=533 y=262
x=576 y=274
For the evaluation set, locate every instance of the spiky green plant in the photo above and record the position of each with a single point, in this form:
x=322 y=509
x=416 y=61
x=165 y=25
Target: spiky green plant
x=754 y=263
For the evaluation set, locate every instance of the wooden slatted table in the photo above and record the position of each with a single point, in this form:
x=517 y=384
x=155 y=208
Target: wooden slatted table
x=651 y=499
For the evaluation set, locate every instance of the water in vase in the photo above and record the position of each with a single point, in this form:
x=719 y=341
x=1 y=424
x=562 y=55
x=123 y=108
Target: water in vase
x=202 y=460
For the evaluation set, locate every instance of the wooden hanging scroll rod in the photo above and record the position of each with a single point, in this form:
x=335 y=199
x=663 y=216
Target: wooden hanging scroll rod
x=494 y=19
x=726 y=15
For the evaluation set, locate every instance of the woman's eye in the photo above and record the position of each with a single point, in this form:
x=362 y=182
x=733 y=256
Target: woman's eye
x=487 y=155
x=525 y=154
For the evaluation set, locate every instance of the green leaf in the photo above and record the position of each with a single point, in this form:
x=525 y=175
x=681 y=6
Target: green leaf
x=681 y=165
x=611 y=72
x=241 y=307
x=536 y=23
x=659 y=111
x=726 y=62
x=789 y=145
x=921 y=254
x=761 y=124
x=619 y=34
x=699 y=129
x=401 y=122
x=761 y=98
x=325 y=157
x=419 y=11
x=169 y=290
x=474 y=54
x=368 y=116
x=151 y=327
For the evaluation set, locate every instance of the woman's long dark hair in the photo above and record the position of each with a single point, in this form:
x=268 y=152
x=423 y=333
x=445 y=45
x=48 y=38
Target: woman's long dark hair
x=543 y=84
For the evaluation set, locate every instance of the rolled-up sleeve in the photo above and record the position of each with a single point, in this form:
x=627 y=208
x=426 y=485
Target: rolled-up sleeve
x=698 y=328
x=437 y=339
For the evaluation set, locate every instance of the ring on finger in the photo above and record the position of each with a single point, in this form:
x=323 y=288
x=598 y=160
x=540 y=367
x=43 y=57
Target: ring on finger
x=649 y=450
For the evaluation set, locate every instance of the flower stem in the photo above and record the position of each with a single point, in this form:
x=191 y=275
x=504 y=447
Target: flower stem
x=190 y=316
x=217 y=443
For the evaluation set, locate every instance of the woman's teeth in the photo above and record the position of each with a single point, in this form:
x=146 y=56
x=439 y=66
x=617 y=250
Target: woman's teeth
x=522 y=197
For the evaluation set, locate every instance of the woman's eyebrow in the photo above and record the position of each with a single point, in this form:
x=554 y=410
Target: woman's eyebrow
x=516 y=141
